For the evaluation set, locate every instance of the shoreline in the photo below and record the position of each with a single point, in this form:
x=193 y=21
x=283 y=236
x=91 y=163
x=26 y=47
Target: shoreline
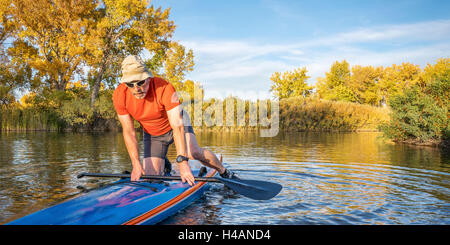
x=442 y=144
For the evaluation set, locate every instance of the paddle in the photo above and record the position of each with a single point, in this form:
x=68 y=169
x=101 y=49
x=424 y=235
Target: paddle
x=254 y=189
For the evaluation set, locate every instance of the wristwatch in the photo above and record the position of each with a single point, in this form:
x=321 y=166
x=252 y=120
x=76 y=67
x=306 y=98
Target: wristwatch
x=181 y=158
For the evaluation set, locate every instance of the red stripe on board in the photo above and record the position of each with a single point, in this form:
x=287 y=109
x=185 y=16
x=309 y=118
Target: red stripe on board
x=169 y=203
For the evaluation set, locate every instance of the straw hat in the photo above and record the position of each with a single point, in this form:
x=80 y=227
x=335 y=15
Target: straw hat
x=134 y=69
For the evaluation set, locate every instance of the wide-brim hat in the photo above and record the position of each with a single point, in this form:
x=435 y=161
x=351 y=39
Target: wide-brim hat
x=134 y=69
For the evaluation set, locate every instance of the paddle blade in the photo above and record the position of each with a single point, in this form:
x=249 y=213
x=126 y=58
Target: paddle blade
x=255 y=189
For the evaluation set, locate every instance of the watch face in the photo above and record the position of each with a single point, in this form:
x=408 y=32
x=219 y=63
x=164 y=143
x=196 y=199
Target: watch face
x=181 y=158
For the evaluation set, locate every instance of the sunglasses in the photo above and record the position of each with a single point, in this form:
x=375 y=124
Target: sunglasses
x=138 y=84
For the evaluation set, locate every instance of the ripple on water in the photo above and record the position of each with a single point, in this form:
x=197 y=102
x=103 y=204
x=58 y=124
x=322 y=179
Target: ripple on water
x=331 y=193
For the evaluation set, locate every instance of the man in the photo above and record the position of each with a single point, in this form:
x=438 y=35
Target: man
x=152 y=101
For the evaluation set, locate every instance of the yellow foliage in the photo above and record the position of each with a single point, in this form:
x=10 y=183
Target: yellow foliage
x=430 y=71
x=123 y=27
x=27 y=100
x=57 y=30
x=335 y=85
x=290 y=84
x=364 y=84
x=176 y=63
x=77 y=84
x=398 y=77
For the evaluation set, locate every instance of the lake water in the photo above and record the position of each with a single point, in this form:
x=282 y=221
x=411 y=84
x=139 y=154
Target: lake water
x=327 y=178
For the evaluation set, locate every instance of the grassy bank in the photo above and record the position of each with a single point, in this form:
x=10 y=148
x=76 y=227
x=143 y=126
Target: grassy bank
x=299 y=114
x=295 y=114
x=27 y=119
x=308 y=114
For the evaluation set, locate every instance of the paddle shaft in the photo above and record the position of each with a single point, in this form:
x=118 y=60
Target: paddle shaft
x=255 y=189
x=156 y=177
x=159 y=177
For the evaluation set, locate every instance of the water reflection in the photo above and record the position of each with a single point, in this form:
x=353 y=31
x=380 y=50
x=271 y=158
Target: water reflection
x=327 y=178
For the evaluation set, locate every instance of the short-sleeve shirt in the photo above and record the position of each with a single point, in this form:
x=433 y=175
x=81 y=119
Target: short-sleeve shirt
x=151 y=111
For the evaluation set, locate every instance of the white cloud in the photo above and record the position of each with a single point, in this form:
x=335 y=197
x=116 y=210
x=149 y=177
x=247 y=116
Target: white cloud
x=406 y=33
x=230 y=65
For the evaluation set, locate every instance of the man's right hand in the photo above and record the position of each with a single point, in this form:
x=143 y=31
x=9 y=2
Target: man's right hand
x=137 y=172
x=186 y=173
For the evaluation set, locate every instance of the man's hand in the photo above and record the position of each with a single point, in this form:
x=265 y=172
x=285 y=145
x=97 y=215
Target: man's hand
x=137 y=172
x=186 y=173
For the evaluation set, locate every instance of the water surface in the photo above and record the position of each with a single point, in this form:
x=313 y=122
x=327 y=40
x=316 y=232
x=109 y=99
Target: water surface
x=327 y=178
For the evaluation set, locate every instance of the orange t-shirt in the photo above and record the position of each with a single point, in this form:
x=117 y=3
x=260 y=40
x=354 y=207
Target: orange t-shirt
x=151 y=111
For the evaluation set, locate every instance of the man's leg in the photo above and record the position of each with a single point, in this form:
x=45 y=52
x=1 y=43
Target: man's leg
x=155 y=152
x=153 y=166
x=205 y=156
x=195 y=152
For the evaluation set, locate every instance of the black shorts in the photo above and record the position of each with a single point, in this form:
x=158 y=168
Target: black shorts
x=157 y=146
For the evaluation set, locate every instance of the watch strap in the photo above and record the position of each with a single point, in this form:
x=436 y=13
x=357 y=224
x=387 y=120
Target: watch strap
x=182 y=158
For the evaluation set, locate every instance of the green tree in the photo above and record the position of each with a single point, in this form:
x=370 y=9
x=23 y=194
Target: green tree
x=435 y=81
x=420 y=113
x=437 y=84
x=415 y=116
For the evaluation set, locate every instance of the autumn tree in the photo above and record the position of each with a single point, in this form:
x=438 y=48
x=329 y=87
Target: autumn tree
x=176 y=63
x=335 y=85
x=290 y=84
x=13 y=74
x=364 y=82
x=435 y=81
x=421 y=111
x=124 y=27
x=51 y=37
x=194 y=89
x=396 y=78
x=6 y=27
x=5 y=93
x=438 y=71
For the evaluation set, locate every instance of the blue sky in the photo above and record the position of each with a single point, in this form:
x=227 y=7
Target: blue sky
x=239 y=44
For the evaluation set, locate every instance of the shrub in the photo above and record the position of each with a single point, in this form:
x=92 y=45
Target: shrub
x=416 y=116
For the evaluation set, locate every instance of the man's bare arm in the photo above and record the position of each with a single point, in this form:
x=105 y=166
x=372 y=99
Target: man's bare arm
x=176 y=122
x=129 y=136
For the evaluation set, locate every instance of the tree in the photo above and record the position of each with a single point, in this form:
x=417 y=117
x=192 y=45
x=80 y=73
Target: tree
x=6 y=27
x=13 y=74
x=435 y=80
x=364 y=84
x=176 y=63
x=420 y=112
x=397 y=78
x=194 y=89
x=6 y=97
x=124 y=27
x=416 y=116
x=52 y=34
x=290 y=84
x=335 y=85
